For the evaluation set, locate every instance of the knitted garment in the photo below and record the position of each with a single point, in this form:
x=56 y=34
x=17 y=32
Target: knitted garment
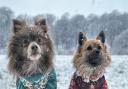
x=37 y=81
x=77 y=82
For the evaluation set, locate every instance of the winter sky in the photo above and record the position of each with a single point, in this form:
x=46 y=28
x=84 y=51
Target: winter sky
x=58 y=7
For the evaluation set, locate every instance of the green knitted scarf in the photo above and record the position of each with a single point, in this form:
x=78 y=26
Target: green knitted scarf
x=38 y=81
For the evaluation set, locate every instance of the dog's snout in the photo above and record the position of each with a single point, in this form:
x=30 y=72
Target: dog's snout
x=34 y=47
x=94 y=58
x=97 y=51
x=94 y=62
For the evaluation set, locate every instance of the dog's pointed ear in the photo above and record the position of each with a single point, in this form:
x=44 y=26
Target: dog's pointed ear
x=101 y=37
x=17 y=25
x=81 y=38
x=42 y=23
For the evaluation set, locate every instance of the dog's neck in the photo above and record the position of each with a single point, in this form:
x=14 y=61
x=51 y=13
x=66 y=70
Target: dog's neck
x=91 y=77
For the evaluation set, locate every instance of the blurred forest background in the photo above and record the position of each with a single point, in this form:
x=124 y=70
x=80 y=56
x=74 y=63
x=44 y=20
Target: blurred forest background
x=64 y=30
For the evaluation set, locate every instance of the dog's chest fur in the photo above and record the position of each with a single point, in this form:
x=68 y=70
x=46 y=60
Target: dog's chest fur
x=31 y=68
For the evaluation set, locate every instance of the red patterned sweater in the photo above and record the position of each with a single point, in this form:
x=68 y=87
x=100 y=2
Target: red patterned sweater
x=78 y=83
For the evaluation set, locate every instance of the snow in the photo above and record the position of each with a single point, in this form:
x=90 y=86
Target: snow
x=116 y=73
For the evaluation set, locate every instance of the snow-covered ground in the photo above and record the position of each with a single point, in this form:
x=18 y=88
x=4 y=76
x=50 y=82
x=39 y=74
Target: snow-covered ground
x=116 y=74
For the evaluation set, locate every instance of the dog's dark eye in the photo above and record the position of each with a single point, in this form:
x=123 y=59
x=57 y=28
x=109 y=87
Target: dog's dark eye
x=39 y=40
x=25 y=41
x=89 y=48
x=99 y=47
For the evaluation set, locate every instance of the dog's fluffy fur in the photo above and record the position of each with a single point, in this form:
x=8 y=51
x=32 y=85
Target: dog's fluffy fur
x=21 y=60
x=85 y=53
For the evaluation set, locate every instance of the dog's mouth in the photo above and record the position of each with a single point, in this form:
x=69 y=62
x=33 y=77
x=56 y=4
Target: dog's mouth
x=94 y=64
x=94 y=60
x=35 y=53
x=34 y=56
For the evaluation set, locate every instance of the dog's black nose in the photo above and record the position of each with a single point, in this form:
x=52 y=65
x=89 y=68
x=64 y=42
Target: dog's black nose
x=34 y=47
x=97 y=51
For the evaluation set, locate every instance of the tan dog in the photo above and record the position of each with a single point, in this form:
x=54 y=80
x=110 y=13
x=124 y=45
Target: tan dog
x=90 y=62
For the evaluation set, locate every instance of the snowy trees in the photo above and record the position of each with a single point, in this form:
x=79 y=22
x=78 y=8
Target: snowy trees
x=61 y=33
x=120 y=44
x=64 y=30
x=6 y=15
